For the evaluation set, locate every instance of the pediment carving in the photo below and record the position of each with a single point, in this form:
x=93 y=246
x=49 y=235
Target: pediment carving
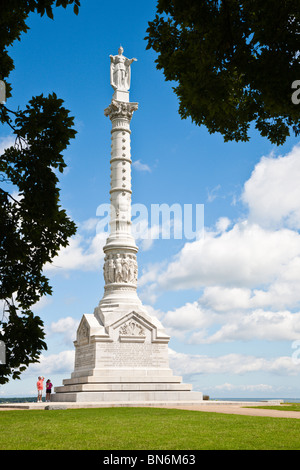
x=83 y=332
x=132 y=328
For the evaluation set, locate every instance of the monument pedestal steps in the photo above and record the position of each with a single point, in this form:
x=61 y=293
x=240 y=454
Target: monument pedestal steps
x=126 y=361
x=121 y=352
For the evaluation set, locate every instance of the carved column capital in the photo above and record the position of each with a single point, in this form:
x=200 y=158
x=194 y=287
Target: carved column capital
x=120 y=109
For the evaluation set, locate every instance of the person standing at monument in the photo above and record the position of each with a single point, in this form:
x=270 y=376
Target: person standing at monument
x=48 y=389
x=40 y=386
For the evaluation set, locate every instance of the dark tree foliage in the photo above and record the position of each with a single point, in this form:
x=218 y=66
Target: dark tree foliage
x=234 y=62
x=33 y=226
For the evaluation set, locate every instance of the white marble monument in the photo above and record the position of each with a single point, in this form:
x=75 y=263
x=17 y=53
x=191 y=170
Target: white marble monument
x=121 y=352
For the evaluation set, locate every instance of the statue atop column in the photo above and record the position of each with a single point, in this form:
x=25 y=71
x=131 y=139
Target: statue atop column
x=120 y=71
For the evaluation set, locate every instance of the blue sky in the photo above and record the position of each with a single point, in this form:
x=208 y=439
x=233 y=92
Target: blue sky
x=230 y=300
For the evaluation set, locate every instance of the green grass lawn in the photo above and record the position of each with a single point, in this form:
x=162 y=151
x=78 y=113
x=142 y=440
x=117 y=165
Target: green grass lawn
x=143 y=429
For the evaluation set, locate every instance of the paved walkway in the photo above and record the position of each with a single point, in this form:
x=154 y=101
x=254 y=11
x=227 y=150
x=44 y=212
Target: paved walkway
x=206 y=406
x=240 y=410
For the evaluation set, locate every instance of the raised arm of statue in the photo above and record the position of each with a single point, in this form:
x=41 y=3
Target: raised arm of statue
x=129 y=61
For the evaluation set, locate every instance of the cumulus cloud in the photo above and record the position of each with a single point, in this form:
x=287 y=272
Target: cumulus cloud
x=66 y=327
x=194 y=323
x=273 y=192
x=223 y=299
x=188 y=364
x=82 y=253
x=245 y=256
x=180 y=322
x=247 y=272
x=259 y=324
x=61 y=363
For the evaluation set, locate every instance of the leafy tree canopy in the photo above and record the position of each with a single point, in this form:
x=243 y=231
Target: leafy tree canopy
x=33 y=226
x=234 y=62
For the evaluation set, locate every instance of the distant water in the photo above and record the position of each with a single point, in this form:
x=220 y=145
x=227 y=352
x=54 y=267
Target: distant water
x=18 y=400
x=289 y=400
x=33 y=399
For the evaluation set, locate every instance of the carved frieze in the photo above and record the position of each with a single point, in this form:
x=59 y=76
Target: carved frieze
x=120 y=269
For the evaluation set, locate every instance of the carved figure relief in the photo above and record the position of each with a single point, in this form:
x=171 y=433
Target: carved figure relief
x=132 y=328
x=120 y=268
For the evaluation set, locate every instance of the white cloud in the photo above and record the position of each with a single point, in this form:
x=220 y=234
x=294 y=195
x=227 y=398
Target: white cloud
x=245 y=256
x=139 y=166
x=248 y=271
x=259 y=325
x=281 y=294
x=61 y=363
x=225 y=299
x=222 y=224
x=273 y=191
x=89 y=224
x=244 y=388
x=180 y=322
x=65 y=326
x=84 y=254
x=195 y=323
x=187 y=364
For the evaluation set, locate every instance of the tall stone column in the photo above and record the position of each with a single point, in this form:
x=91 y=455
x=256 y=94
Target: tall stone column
x=120 y=263
x=121 y=352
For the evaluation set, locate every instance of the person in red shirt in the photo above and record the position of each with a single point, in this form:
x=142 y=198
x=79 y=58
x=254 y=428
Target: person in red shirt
x=40 y=386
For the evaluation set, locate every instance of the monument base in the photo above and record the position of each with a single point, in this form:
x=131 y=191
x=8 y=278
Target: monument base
x=125 y=385
x=124 y=359
x=127 y=399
